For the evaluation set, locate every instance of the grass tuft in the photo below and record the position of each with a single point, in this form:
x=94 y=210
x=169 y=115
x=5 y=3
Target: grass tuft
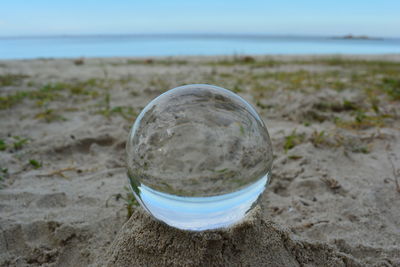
x=293 y=140
x=35 y=164
x=392 y=87
x=19 y=142
x=10 y=79
x=3 y=145
x=130 y=201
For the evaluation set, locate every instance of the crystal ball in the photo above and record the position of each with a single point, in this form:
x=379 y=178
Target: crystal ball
x=199 y=157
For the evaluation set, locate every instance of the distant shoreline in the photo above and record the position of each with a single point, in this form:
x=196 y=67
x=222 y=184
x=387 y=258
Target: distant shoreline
x=182 y=59
x=199 y=35
x=189 y=45
x=358 y=37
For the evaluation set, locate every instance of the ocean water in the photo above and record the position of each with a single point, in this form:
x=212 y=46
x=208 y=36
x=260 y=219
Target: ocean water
x=175 y=45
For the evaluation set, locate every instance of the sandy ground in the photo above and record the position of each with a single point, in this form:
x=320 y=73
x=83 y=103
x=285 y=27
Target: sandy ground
x=334 y=124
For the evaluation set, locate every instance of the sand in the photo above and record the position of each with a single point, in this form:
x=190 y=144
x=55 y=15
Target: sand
x=332 y=200
x=252 y=242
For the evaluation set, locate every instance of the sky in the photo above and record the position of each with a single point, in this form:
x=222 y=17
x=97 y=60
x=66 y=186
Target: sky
x=378 y=18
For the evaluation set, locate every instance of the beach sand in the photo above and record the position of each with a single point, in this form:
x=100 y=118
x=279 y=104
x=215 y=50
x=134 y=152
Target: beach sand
x=333 y=200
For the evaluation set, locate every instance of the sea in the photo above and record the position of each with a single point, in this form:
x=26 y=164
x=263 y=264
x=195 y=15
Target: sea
x=182 y=45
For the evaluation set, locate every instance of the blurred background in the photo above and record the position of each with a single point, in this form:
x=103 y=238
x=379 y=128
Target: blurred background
x=44 y=28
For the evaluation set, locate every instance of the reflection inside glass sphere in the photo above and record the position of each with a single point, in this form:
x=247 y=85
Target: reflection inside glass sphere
x=198 y=157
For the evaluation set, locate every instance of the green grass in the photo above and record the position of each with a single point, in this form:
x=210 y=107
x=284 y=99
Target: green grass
x=326 y=139
x=361 y=149
x=362 y=120
x=345 y=62
x=318 y=138
x=49 y=115
x=130 y=201
x=292 y=140
x=336 y=106
x=374 y=81
x=295 y=157
x=84 y=87
x=330 y=61
x=10 y=79
x=128 y=113
x=35 y=164
x=53 y=91
x=19 y=142
x=9 y=101
x=3 y=145
x=392 y=87
x=245 y=60
x=360 y=75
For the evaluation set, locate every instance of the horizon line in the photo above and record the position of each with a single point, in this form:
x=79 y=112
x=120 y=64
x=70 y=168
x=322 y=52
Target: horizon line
x=210 y=35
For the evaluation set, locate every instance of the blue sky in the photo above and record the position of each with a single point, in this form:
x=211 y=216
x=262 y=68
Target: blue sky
x=306 y=17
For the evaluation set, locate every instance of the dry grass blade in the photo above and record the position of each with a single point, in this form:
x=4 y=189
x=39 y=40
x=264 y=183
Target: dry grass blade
x=309 y=225
x=59 y=172
x=331 y=183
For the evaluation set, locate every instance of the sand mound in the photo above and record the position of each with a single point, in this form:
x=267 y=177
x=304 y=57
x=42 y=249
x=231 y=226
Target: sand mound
x=253 y=242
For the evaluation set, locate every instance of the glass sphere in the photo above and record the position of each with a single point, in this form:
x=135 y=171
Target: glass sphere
x=198 y=157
